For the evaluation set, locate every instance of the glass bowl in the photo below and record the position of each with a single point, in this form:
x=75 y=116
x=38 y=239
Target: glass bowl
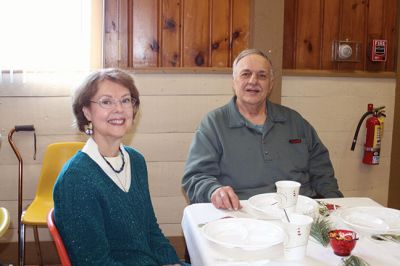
x=342 y=241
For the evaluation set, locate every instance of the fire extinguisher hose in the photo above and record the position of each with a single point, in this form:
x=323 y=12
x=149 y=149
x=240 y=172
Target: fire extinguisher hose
x=353 y=144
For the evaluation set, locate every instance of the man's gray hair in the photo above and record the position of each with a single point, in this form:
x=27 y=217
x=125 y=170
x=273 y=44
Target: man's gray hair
x=247 y=52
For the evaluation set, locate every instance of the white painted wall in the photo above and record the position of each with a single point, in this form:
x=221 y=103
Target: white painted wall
x=334 y=106
x=171 y=107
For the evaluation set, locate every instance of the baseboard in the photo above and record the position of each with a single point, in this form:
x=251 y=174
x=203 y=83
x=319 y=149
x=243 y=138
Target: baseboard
x=9 y=251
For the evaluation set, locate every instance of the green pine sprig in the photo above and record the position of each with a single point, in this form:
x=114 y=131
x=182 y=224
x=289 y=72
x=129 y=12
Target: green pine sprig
x=320 y=230
x=323 y=209
x=354 y=261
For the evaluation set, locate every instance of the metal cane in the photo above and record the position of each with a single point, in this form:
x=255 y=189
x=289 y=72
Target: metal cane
x=21 y=228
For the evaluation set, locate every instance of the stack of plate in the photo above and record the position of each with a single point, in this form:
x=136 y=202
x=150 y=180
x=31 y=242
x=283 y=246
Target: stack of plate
x=265 y=206
x=245 y=238
x=371 y=220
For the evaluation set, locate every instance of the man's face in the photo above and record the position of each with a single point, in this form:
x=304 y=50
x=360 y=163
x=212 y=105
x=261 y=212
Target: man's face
x=252 y=80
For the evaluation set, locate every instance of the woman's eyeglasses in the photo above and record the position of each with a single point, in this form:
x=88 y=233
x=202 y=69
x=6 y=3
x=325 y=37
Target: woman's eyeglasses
x=109 y=103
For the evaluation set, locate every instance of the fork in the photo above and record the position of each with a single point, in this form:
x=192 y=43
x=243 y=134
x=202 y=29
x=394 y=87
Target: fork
x=386 y=237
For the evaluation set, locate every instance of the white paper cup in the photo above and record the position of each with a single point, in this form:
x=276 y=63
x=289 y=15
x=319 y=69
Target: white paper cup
x=287 y=194
x=297 y=233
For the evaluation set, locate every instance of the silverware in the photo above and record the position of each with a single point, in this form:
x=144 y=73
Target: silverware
x=287 y=217
x=387 y=237
x=200 y=225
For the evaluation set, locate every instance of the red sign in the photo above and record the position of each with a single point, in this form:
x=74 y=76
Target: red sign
x=378 y=50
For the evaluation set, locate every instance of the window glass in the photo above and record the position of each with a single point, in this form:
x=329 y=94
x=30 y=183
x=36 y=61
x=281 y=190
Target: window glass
x=45 y=35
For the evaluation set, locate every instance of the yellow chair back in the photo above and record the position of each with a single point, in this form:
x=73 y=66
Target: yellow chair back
x=4 y=220
x=54 y=158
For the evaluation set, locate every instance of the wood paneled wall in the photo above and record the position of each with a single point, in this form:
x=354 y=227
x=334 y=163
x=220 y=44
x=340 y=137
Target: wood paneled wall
x=311 y=26
x=175 y=33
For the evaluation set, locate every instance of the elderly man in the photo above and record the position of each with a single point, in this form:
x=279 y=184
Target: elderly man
x=241 y=149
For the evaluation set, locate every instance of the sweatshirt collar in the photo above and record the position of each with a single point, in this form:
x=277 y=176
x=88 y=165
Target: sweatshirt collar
x=236 y=119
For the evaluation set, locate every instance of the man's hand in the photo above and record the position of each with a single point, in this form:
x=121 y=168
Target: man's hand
x=225 y=198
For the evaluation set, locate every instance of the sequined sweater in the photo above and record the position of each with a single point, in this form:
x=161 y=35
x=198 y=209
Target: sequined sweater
x=103 y=225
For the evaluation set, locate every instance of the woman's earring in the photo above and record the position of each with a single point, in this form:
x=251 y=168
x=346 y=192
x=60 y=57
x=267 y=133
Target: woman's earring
x=89 y=129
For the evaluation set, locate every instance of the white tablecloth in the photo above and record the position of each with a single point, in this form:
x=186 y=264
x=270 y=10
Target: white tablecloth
x=201 y=254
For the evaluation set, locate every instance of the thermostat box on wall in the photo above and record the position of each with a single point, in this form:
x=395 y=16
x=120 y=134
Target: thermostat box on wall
x=345 y=51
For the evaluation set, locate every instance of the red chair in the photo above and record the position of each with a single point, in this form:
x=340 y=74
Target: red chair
x=62 y=252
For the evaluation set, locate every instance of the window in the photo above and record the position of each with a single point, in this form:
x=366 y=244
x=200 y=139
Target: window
x=45 y=35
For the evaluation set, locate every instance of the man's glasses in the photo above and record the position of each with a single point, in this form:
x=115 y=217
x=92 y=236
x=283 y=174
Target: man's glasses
x=109 y=103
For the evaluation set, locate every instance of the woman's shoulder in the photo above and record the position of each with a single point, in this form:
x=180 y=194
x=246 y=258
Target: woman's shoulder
x=133 y=152
x=77 y=167
x=136 y=157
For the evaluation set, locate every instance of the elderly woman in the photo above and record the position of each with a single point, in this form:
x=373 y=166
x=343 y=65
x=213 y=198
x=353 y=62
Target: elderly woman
x=102 y=205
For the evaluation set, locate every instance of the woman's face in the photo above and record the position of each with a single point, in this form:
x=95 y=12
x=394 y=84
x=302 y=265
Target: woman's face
x=110 y=124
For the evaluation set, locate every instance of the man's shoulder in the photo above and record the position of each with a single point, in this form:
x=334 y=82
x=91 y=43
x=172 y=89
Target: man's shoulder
x=281 y=108
x=280 y=111
x=217 y=114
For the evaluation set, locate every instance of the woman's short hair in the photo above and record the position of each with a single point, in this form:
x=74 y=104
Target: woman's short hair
x=90 y=86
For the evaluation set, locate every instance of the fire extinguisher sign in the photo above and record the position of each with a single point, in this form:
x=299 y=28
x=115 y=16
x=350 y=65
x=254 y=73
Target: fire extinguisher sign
x=377 y=145
x=377 y=137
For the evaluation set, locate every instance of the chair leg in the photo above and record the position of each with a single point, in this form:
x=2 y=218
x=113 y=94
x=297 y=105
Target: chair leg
x=37 y=244
x=21 y=245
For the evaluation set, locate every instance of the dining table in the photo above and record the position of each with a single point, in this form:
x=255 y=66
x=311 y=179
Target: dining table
x=203 y=253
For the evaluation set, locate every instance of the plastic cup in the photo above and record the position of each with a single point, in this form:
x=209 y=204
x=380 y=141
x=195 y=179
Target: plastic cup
x=287 y=194
x=297 y=233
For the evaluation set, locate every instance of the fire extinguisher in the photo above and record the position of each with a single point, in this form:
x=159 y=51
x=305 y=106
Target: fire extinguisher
x=374 y=132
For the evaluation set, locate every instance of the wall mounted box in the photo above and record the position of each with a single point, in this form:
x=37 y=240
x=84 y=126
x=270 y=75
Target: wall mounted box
x=345 y=51
x=378 y=50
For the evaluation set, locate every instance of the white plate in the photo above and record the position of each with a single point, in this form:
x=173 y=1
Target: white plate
x=371 y=219
x=243 y=233
x=267 y=205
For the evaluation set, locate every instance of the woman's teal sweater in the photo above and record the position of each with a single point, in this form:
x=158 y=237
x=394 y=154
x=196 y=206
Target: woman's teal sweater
x=103 y=225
